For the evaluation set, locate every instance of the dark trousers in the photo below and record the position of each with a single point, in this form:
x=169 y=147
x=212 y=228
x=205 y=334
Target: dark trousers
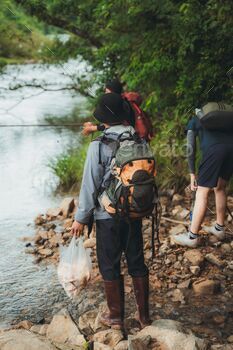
x=113 y=237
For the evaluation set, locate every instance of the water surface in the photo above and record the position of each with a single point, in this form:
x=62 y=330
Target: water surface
x=27 y=183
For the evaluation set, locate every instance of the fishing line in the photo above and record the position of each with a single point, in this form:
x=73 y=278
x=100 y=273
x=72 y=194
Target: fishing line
x=40 y=125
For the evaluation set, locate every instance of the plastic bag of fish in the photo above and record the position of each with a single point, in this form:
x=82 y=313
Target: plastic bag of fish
x=74 y=269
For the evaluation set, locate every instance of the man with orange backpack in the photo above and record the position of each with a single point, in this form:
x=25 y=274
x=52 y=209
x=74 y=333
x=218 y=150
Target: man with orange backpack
x=118 y=187
x=136 y=116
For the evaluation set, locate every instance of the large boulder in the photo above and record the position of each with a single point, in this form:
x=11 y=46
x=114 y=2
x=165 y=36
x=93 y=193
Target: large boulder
x=171 y=335
x=62 y=330
x=22 y=339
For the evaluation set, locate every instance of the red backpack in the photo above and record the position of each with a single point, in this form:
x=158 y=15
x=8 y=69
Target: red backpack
x=143 y=125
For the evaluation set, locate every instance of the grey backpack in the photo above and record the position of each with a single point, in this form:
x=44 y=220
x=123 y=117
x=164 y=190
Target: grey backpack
x=216 y=116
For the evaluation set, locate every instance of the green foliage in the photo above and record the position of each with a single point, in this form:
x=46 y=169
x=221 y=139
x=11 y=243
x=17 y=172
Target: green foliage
x=69 y=166
x=21 y=36
x=178 y=54
x=171 y=51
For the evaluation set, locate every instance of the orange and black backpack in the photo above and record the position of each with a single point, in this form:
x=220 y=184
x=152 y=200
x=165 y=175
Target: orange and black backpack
x=132 y=192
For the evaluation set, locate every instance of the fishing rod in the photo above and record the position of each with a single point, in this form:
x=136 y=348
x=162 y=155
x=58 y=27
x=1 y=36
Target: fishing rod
x=40 y=125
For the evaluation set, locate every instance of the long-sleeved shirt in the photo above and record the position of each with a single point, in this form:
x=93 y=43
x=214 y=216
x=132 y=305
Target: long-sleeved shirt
x=96 y=175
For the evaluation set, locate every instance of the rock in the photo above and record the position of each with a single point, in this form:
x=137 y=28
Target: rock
x=221 y=347
x=40 y=329
x=53 y=212
x=171 y=335
x=123 y=345
x=230 y=339
x=54 y=241
x=177 y=295
x=86 y=321
x=68 y=223
x=226 y=248
x=23 y=324
x=177 y=198
x=213 y=240
x=39 y=220
x=229 y=217
x=136 y=343
x=230 y=265
x=43 y=234
x=177 y=265
x=110 y=337
x=164 y=247
x=46 y=252
x=185 y=284
x=219 y=319
x=37 y=260
x=22 y=339
x=195 y=270
x=62 y=330
x=194 y=256
x=206 y=286
x=177 y=229
x=30 y=250
x=180 y=212
x=67 y=206
x=100 y=346
x=89 y=243
x=213 y=259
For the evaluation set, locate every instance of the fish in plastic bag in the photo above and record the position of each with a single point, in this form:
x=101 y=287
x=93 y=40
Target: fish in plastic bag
x=74 y=269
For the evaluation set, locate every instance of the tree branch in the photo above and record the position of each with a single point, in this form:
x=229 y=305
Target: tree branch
x=43 y=88
x=44 y=16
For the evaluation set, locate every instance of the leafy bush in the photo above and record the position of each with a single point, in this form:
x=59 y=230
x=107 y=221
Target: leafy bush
x=178 y=54
x=69 y=166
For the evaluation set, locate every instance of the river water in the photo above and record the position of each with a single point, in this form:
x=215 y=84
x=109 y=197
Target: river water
x=29 y=291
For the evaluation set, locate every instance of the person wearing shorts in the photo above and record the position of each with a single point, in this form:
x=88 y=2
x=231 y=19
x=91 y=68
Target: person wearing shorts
x=215 y=170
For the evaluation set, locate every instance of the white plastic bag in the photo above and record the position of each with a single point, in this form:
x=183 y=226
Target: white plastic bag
x=74 y=269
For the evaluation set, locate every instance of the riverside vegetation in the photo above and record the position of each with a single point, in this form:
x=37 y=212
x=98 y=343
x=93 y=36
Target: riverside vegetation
x=178 y=55
x=190 y=290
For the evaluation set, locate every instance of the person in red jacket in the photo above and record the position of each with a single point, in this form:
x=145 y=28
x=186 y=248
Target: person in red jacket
x=137 y=117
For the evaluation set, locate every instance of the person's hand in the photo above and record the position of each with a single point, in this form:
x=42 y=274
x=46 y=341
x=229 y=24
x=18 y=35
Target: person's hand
x=193 y=182
x=88 y=128
x=77 y=229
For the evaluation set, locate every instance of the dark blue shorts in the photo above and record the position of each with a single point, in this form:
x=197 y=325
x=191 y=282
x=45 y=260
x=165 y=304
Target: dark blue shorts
x=217 y=162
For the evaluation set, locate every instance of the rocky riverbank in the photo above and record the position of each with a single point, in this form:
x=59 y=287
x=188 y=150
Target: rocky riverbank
x=191 y=290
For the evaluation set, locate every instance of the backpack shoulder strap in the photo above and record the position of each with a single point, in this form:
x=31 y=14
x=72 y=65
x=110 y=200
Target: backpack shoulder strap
x=103 y=139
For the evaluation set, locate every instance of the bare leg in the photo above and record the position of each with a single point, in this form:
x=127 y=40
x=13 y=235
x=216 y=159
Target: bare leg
x=199 y=208
x=220 y=200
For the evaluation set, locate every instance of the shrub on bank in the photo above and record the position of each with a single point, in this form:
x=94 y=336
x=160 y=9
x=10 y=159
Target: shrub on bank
x=68 y=167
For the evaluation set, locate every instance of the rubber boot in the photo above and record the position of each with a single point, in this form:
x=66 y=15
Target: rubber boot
x=114 y=291
x=141 y=291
